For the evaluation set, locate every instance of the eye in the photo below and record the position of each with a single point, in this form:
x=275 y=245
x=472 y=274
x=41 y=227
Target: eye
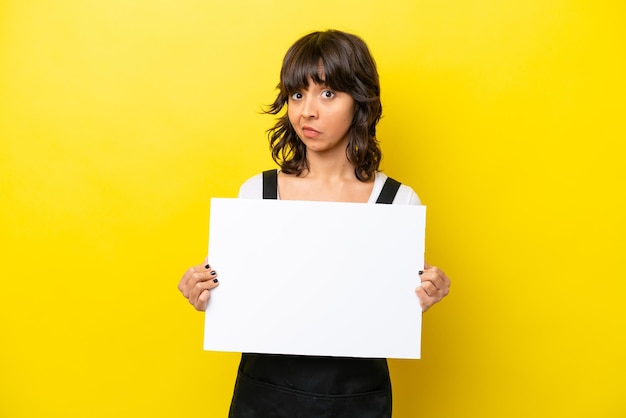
x=328 y=94
x=296 y=96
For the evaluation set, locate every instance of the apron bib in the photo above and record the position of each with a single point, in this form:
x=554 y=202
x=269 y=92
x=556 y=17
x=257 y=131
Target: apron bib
x=286 y=386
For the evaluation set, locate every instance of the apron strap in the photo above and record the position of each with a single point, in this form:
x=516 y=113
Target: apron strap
x=270 y=184
x=388 y=193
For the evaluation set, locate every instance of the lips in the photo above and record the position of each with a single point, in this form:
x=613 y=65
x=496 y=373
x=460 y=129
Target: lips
x=310 y=132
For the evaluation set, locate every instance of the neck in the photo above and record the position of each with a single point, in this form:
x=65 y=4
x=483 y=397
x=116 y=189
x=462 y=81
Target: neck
x=329 y=168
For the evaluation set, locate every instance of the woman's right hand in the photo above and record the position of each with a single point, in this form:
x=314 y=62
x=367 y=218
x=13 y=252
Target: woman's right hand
x=196 y=285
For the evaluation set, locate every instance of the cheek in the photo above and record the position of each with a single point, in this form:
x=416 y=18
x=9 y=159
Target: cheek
x=292 y=115
x=347 y=118
x=348 y=113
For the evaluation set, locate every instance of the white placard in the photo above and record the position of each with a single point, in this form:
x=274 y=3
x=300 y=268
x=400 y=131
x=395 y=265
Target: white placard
x=315 y=278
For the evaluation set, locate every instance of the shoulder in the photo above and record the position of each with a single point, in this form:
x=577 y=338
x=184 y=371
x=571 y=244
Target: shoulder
x=405 y=196
x=252 y=188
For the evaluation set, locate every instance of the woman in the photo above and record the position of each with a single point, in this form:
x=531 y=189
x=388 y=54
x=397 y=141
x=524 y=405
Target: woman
x=327 y=150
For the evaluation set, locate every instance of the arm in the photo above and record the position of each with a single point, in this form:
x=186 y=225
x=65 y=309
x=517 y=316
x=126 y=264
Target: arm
x=434 y=285
x=198 y=281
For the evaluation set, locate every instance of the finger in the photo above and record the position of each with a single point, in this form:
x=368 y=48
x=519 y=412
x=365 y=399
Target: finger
x=190 y=277
x=206 y=281
x=202 y=275
x=200 y=287
x=439 y=272
x=183 y=284
x=426 y=301
x=203 y=300
x=436 y=287
x=446 y=280
x=430 y=276
x=429 y=288
x=438 y=277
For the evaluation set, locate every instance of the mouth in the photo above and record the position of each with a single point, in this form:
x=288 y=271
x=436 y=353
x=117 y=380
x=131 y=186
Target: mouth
x=309 y=132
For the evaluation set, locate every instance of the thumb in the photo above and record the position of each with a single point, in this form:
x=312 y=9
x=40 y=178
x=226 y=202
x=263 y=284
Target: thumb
x=426 y=265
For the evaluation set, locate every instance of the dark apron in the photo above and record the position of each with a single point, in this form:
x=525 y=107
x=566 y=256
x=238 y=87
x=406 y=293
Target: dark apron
x=285 y=386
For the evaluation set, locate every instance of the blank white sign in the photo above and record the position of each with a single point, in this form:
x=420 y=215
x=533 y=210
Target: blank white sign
x=315 y=278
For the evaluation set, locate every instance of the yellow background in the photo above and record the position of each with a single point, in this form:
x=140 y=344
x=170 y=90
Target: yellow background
x=120 y=119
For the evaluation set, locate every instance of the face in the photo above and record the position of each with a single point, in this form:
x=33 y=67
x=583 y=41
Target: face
x=321 y=117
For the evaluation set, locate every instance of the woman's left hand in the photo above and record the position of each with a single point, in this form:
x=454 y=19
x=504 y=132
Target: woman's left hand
x=434 y=287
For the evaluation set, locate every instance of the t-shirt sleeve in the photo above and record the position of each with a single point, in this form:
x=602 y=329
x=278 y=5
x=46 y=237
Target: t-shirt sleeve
x=406 y=196
x=252 y=188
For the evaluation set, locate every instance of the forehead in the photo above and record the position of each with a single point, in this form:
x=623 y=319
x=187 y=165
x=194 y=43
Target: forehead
x=299 y=74
x=317 y=64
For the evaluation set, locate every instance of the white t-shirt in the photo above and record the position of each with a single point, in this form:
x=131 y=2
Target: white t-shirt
x=253 y=189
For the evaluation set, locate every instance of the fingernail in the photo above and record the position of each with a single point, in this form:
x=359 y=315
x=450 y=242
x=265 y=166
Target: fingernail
x=215 y=280
x=421 y=272
x=213 y=273
x=208 y=266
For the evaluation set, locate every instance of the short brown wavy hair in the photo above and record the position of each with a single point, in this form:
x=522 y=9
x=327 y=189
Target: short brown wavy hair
x=346 y=66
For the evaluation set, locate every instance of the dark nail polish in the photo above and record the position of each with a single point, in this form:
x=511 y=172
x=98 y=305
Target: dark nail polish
x=208 y=266
x=214 y=280
x=421 y=272
x=213 y=273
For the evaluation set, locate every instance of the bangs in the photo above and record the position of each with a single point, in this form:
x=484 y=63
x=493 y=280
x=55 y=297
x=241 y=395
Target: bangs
x=319 y=59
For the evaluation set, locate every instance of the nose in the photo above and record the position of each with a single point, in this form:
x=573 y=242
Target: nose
x=309 y=108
